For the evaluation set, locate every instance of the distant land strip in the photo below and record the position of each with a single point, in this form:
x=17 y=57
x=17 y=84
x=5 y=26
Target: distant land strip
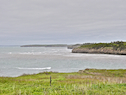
x=55 y=45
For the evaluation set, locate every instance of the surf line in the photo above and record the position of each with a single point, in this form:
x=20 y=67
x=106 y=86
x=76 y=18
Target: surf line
x=46 y=68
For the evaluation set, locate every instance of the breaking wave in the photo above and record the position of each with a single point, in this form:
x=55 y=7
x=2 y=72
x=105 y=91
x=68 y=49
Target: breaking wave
x=46 y=68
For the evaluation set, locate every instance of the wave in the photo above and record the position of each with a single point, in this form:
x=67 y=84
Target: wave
x=46 y=68
x=94 y=55
x=9 y=52
x=29 y=53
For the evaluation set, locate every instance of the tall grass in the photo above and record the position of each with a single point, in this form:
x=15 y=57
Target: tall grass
x=65 y=84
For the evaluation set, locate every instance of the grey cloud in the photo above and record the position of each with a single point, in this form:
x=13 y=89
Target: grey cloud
x=62 y=20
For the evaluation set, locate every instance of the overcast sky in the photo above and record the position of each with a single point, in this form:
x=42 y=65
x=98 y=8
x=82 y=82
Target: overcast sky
x=61 y=21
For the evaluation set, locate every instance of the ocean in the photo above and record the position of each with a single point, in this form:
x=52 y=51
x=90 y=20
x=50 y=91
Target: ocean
x=16 y=60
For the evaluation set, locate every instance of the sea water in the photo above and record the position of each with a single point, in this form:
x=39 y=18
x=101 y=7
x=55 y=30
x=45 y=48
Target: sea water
x=15 y=60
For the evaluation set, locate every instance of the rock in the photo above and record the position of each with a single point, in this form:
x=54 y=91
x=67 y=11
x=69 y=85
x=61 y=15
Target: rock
x=99 y=51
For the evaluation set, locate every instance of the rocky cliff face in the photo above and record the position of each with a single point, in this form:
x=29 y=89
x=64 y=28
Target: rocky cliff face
x=99 y=51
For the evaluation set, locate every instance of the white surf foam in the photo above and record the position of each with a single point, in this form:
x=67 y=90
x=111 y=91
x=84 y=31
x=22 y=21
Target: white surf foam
x=46 y=68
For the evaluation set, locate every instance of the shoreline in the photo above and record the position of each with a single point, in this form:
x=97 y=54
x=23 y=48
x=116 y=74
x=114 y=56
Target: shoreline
x=80 y=71
x=117 y=48
x=98 y=51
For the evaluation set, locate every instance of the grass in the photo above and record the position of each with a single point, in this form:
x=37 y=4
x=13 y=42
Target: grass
x=84 y=82
x=119 y=45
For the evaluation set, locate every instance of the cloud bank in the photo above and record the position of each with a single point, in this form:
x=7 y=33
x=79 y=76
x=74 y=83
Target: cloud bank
x=62 y=21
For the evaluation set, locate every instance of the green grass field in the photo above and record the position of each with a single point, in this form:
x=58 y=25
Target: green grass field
x=119 y=45
x=84 y=82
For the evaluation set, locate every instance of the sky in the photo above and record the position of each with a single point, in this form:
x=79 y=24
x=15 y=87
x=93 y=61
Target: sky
x=61 y=21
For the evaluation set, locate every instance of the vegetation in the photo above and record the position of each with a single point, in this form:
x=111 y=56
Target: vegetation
x=84 y=82
x=119 y=45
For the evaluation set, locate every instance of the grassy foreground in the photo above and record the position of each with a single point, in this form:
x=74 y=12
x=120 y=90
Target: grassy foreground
x=84 y=82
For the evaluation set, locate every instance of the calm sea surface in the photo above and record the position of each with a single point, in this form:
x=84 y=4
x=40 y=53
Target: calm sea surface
x=15 y=61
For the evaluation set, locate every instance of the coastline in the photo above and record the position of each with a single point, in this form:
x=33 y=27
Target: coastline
x=87 y=71
x=49 y=45
x=99 y=51
x=116 y=48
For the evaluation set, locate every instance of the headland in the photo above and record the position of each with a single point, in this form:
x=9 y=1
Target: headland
x=118 y=48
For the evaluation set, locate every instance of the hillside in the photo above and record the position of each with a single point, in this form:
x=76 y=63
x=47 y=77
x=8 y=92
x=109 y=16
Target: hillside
x=118 y=47
x=83 y=82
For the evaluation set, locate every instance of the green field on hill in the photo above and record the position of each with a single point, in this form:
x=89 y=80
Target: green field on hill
x=84 y=82
x=119 y=45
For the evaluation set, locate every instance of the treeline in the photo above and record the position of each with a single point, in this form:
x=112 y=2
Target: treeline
x=118 y=45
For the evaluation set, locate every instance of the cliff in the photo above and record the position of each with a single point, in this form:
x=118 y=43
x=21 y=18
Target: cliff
x=118 y=48
x=99 y=51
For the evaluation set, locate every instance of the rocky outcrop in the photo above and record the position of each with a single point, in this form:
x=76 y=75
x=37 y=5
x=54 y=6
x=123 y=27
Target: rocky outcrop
x=99 y=51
